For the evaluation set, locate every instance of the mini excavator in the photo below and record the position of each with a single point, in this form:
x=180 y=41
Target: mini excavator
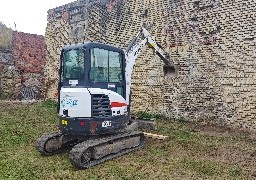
x=94 y=97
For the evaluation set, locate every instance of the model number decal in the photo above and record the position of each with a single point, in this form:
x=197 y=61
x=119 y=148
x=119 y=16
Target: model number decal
x=106 y=123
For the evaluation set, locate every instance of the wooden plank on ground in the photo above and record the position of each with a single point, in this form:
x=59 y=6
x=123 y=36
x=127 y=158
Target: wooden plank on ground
x=155 y=136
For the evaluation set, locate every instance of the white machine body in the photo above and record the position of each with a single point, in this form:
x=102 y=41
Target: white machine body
x=78 y=101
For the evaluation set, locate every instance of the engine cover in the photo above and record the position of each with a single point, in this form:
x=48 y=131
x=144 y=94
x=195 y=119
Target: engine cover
x=91 y=111
x=75 y=102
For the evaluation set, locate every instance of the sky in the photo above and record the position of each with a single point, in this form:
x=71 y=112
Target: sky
x=30 y=16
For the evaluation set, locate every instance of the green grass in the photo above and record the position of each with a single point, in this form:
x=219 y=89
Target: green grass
x=185 y=155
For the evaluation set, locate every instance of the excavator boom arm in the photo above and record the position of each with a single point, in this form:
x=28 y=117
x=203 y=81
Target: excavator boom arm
x=134 y=50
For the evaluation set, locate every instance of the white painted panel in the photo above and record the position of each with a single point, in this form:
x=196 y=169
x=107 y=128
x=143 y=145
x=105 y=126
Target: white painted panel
x=76 y=100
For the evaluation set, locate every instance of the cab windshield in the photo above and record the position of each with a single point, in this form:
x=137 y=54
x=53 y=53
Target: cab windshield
x=73 y=64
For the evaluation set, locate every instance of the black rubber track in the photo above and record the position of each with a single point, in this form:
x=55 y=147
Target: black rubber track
x=46 y=137
x=77 y=151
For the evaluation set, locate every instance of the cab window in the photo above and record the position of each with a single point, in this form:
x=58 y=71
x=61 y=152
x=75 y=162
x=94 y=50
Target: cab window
x=73 y=64
x=106 y=66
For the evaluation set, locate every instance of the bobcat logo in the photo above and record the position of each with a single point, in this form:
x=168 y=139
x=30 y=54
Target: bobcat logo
x=68 y=102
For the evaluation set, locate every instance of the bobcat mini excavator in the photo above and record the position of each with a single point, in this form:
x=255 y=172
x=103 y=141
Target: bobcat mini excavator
x=94 y=101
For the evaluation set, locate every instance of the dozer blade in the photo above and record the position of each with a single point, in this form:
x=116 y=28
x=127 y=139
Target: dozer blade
x=92 y=152
x=142 y=124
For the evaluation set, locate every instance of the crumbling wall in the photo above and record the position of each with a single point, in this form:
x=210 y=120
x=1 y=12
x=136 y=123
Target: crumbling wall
x=10 y=81
x=6 y=57
x=22 y=74
x=211 y=41
x=6 y=62
x=29 y=53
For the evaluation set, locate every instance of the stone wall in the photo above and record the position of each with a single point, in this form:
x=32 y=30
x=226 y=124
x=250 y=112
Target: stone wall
x=10 y=81
x=211 y=41
x=6 y=57
x=22 y=74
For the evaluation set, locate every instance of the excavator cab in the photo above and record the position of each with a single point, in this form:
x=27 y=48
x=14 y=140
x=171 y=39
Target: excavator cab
x=93 y=65
x=91 y=89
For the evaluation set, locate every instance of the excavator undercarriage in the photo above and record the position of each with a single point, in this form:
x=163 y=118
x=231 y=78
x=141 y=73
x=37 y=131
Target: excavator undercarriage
x=89 y=151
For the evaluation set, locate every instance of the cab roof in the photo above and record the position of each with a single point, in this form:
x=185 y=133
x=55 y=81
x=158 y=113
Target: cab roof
x=91 y=45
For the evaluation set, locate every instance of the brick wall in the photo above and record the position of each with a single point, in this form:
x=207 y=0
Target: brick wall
x=29 y=51
x=211 y=41
x=22 y=76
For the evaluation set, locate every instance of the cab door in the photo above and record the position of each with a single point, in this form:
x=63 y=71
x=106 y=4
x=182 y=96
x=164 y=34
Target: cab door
x=107 y=70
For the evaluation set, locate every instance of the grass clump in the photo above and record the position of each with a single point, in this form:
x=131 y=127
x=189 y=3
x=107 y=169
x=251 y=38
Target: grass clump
x=49 y=103
x=235 y=172
x=201 y=167
x=148 y=115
